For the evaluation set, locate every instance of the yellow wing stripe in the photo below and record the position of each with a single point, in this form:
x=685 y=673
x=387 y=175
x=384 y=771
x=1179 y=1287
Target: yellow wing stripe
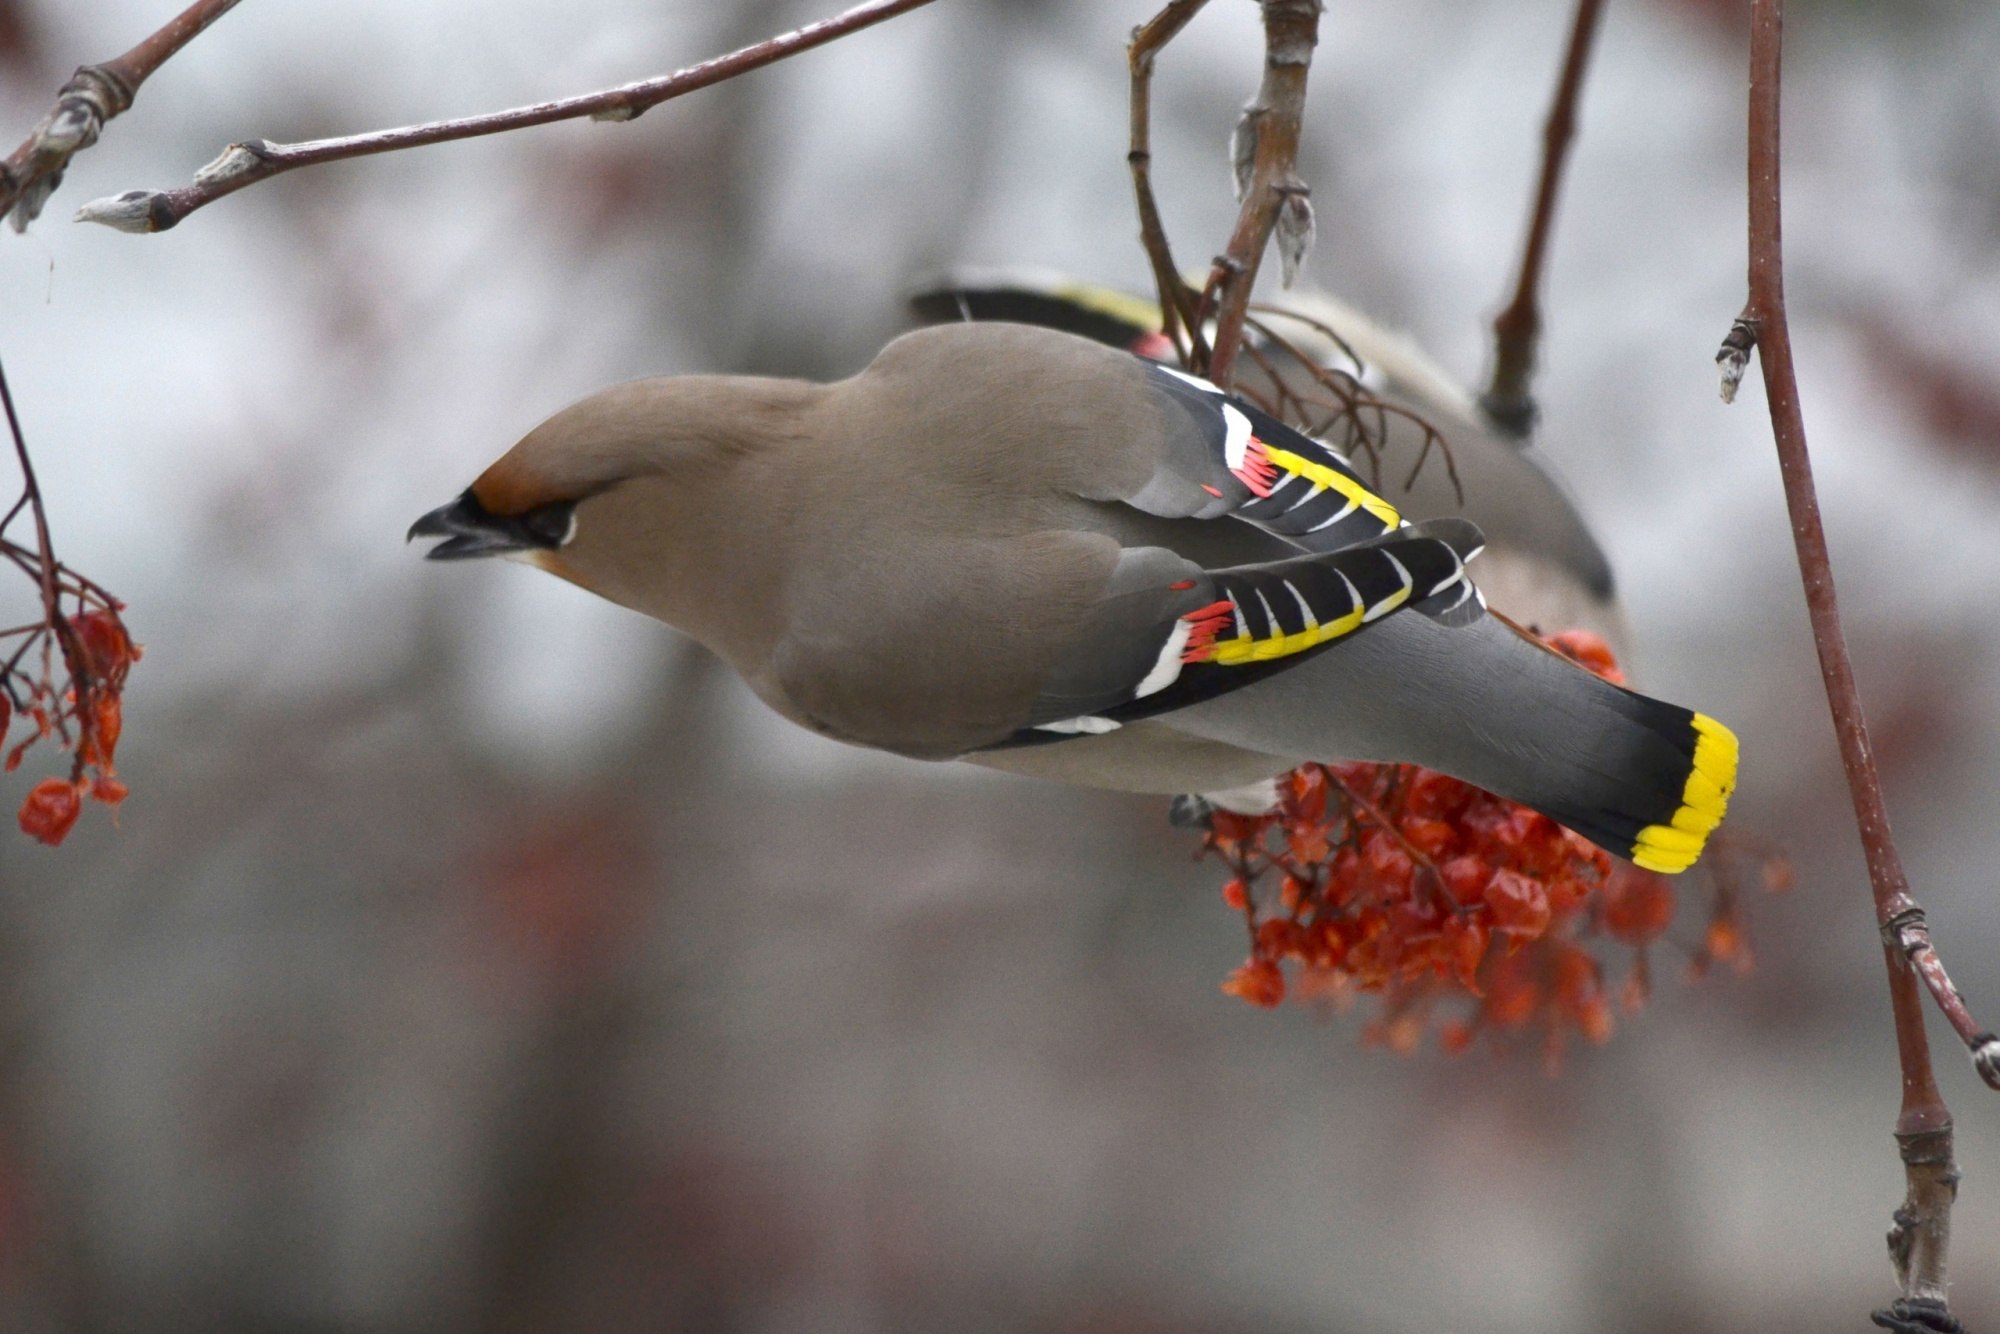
x=1235 y=652
x=1321 y=475
x=1671 y=848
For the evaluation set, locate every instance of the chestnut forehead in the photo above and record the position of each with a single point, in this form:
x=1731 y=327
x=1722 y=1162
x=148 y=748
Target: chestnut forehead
x=510 y=489
x=577 y=453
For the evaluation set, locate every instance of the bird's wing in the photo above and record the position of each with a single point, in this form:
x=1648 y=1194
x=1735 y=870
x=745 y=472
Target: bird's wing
x=1220 y=455
x=1166 y=633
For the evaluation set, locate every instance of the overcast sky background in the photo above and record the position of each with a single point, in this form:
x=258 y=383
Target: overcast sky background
x=470 y=954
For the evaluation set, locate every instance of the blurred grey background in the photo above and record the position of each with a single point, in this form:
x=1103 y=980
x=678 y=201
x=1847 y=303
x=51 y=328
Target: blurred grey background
x=472 y=955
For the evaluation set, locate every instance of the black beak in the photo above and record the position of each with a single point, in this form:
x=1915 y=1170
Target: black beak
x=470 y=529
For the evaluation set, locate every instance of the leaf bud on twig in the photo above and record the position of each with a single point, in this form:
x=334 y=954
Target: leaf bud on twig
x=129 y=212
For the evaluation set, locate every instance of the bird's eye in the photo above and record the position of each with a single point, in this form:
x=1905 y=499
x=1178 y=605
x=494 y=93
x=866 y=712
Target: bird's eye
x=550 y=525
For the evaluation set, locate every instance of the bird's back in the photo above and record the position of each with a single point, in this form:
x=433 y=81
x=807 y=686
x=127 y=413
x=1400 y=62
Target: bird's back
x=964 y=479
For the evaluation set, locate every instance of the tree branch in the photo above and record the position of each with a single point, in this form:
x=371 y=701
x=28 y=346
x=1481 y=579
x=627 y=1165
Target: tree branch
x=94 y=95
x=46 y=575
x=1517 y=330
x=1177 y=299
x=244 y=164
x=1918 y=1244
x=1269 y=131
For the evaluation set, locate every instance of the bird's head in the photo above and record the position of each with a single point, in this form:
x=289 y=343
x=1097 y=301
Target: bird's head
x=632 y=492
x=528 y=503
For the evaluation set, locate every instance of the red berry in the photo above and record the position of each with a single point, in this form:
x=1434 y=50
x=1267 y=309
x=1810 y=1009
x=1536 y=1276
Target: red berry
x=1308 y=792
x=1281 y=938
x=1258 y=981
x=1511 y=993
x=1308 y=843
x=1465 y=878
x=1391 y=865
x=105 y=642
x=1638 y=905
x=1433 y=838
x=1590 y=651
x=1291 y=893
x=100 y=728
x=51 y=810
x=1465 y=944
x=1520 y=905
x=1434 y=796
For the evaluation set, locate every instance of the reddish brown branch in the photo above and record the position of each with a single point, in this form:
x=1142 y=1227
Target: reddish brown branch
x=1518 y=329
x=47 y=571
x=1919 y=1242
x=1270 y=126
x=244 y=164
x=1177 y=299
x=94 y=95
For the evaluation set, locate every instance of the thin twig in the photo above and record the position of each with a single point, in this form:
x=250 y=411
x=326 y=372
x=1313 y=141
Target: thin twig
x=1517 y=330
x=48 y=572
x=1291 y=30
x=94 y=95
x=1354 y=403
x=245 y=164
x=1918 y=1245
x=1319 y=326
x=1177 y=299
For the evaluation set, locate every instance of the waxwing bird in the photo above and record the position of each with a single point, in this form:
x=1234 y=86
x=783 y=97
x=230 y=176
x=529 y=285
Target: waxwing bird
x=1020 y=547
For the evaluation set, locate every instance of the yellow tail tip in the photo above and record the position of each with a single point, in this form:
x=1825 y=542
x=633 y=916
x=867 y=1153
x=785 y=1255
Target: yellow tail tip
x=1672 y=847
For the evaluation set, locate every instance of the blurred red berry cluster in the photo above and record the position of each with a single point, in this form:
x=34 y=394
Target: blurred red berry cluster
x=1455 y=908
x=82 y=709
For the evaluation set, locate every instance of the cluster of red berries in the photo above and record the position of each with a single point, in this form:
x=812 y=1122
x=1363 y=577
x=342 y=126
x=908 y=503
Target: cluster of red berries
x=85 y=716
x=1450 y=904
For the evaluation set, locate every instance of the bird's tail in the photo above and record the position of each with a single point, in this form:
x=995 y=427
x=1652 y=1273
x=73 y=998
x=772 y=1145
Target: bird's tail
x=1640 y=777
x=1659 y=801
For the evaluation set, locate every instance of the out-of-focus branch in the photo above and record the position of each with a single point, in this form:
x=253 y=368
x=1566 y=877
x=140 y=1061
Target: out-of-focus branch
x=45 y=556
x=94 y=95
x=244 y=164
x=1919 y=1241
x=1517 y=330
x=1177 y=299
x=1274 y=198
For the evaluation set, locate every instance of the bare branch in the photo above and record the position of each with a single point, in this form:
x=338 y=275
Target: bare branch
x=1517 y=329
x=1291 y=31
x=253 y=160
x=1177 y=299
x=47 y=570
x=1918 y=1244
x=92 y=97
x=1908 y=932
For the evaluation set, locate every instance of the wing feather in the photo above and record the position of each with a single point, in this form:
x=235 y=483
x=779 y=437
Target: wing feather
x=1168 y=634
